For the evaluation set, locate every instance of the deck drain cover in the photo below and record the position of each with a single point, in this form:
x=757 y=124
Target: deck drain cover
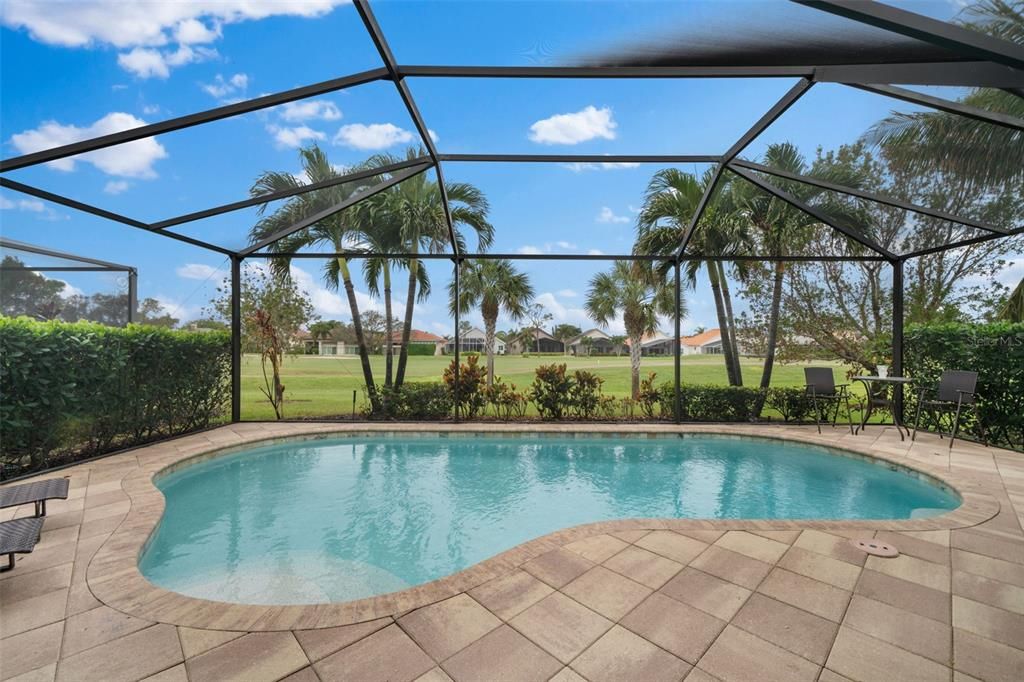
x=876 y=548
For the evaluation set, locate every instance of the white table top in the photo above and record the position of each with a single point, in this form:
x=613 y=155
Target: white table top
x=891 y=380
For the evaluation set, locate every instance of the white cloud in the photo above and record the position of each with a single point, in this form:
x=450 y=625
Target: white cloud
x=132 y=159
x=147 y=62
x=574 y=128
x=199 y=271
x=175 y=25
x=222 y=87
x=607 y=215
x=69 y=290
x=373 y=136
x=30 y=205
x=529 y=250
x=563 y=313
x=433 y=136
x=294 y=136
x=569 y=246
x=116 y=186
x=595 y=252
x=150 y=109
x=567 y=293
x=316 y=109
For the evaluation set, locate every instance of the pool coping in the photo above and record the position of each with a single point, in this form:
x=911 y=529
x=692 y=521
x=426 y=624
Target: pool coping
x=113 y=575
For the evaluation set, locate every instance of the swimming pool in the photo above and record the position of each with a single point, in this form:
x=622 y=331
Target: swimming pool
x=328 y=520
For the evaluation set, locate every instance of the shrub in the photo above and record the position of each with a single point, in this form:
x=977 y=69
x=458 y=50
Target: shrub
x=74 y=390
x=721 y=403
x=650 y=399
x=417 y=349
x=508 y=403
x=550 y=391
x=794 y=404
x=585 y=394
x=471 y=385
x=995 y=351
x=428 y=400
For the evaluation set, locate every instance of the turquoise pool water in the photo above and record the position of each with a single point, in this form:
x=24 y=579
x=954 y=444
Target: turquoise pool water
x=333 y=520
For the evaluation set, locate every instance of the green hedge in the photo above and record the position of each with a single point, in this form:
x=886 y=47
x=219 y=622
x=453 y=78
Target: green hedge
x=74 y=390
x=995 y=351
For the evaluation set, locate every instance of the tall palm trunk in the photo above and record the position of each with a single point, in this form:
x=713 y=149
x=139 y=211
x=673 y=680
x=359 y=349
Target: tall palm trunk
x=730 y=320
x=773 y=324
x=388 y=327
x=410 y=301
x=357 y=327
x=723 y=322
x=490 y=324
x=634 y=363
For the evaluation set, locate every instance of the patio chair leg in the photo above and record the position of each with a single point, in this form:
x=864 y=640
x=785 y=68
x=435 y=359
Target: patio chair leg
x=956 y=425
x=849 y=415
x=917 y=419
x=10 y=563
x=817 y=413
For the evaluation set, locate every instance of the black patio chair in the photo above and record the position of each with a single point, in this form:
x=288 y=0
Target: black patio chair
x=821 y=386
x=956 y=390
x=37 y=493
x=19 y=537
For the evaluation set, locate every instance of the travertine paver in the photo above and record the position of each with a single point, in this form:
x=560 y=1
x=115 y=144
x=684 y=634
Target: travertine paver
x=668 y=600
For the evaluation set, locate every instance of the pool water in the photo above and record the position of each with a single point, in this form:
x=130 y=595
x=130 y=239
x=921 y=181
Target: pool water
x=332 y=520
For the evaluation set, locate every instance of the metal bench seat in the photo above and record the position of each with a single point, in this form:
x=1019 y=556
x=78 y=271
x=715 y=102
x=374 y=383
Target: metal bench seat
x=19 y=537
x=38 y=493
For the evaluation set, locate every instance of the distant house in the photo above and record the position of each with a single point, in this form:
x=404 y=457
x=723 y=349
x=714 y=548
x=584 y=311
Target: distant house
x=541 y=342
x=418 y=337
x=655 y=344
x=705 y=343
x=475 y=340
x=599 y=343
x=331 y=344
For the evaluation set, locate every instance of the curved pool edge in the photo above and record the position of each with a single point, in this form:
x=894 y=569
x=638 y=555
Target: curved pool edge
x=113 y=575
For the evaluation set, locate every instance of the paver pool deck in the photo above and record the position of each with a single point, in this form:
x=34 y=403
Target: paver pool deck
x=631 y=600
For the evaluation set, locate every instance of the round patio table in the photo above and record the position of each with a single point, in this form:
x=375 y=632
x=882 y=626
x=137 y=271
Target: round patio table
x=884 y=401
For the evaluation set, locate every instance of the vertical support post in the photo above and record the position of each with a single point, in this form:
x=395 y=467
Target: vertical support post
x=897 y=334
x=677 y=349
x=458 y=299
x=236 y=338
x=133 y=295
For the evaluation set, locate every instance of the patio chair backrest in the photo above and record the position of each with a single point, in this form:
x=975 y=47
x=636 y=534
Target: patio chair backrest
x=953 y=381
x=821 y=378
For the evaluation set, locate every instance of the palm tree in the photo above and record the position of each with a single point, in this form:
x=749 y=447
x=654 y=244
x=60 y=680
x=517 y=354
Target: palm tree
x=984 y=153
x=641 y=294
x=781 y=229
x=669 y=204
x=339 y=232
x=415 y=210
x=495 y=285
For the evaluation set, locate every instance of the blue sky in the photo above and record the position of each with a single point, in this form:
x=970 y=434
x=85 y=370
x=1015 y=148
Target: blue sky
x=75 y=70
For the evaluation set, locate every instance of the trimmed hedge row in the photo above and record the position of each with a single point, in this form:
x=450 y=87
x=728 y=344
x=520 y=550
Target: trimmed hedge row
x=74 y=390
x=996 y=352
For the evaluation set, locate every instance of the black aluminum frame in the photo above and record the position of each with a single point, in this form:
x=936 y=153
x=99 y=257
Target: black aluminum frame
x=981 y=61
x=91 y=265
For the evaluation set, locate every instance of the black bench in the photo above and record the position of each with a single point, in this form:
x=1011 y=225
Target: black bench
x=19 y=537
x=38 y=493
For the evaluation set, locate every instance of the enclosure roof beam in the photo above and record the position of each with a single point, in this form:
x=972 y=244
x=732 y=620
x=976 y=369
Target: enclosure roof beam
x=43 y=251
x=103 y=213
x=190 y=120
x=355 y=255
x=762 y=124
x=815 y=213
x=377 y=35
x=957 y=245
x=871 y=196
x=963 y=73
x=81 y=268
x=941 y=33
x=581 y=158
x=336 y=208
x=991 y=117
x=285 y=193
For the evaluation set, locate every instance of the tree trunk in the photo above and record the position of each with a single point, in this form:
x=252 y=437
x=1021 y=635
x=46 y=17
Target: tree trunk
x=773 y=324
x=727 y=299
x=489 y=330
x=634 y=364
x=388 y=327
x=723 y=322
x=410 y=301
x=357 y=327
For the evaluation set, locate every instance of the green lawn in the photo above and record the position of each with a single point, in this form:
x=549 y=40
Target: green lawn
x=318 y=386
